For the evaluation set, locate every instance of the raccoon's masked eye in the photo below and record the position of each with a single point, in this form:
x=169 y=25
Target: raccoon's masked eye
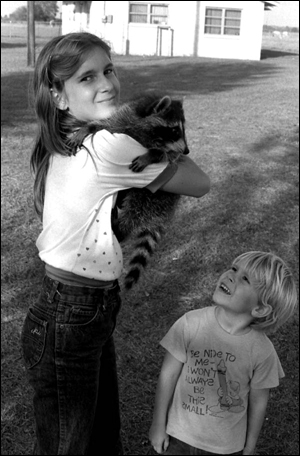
x=176 y=133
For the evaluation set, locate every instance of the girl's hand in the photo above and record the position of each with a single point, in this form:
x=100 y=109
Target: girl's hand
x=159 y=438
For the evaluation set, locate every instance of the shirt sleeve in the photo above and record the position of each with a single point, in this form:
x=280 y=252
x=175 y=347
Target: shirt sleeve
x=113 y=154
x=176 y=340
x=267 y=372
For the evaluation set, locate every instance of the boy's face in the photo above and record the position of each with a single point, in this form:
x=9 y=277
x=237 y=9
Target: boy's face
x=235 y=291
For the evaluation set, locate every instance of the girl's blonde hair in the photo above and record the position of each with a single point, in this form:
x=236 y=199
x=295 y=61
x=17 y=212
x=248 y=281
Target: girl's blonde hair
x=58 y=61
x=275 y=285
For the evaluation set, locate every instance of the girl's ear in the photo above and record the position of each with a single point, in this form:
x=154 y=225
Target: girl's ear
x=261 y=311
x=59 y=100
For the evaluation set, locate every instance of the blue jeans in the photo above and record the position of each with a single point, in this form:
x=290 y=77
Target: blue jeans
x=177 y=447
x=70 y=360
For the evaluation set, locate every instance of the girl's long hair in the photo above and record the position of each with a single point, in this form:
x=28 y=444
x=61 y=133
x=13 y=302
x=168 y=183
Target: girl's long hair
x=57 y=62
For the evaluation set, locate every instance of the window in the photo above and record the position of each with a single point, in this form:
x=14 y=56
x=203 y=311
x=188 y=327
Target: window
x=148 y=13
x=221 y=21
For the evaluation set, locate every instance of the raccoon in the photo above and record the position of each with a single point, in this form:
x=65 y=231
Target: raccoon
x=158 y=124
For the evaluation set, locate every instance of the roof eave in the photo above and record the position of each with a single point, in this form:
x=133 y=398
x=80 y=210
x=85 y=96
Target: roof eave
x=270 y=5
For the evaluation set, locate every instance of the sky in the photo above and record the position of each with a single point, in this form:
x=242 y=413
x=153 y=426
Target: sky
x=9 y=7
x=286 y=14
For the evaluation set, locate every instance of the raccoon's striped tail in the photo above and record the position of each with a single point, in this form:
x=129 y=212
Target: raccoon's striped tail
x=143 y=250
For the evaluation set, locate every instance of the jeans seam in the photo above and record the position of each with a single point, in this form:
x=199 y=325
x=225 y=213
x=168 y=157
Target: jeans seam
x=61 y=398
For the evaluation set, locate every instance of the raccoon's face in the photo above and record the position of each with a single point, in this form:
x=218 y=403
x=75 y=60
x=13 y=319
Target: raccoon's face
x=165 y=122
x=171 y=137
x=178 y=136
x=173 y=123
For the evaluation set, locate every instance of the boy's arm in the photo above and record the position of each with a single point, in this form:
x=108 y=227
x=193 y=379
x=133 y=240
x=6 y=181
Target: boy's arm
x=168 y=377
x=258 y=400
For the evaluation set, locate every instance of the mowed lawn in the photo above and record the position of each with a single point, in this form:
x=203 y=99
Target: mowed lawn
x=242 y=129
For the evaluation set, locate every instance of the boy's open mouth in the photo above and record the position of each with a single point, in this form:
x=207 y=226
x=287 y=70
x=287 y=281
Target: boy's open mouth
x=225 y=289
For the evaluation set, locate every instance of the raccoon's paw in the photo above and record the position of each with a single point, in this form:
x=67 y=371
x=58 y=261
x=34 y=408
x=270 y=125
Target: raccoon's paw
x=139 y=164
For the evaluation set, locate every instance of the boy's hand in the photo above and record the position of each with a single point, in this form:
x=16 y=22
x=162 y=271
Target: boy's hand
x=248 y=451
x=158 y=438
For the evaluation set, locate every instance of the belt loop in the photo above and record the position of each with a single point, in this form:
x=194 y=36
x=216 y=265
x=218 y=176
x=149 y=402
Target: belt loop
x=105 y=299
x=54 y=290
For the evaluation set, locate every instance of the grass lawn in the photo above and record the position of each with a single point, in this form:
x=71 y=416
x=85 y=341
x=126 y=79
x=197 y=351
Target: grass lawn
x=242 y=129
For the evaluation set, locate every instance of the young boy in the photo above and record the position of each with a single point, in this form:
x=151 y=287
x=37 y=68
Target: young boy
x=214 y=384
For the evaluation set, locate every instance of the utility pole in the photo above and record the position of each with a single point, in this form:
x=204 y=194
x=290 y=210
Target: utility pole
x=30 y=34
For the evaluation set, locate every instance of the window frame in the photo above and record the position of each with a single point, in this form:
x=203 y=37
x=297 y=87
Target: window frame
x=222 y=26
x=149 y=13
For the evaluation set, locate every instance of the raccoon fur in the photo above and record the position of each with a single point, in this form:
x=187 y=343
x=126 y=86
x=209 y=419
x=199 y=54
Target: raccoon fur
x=158 y=124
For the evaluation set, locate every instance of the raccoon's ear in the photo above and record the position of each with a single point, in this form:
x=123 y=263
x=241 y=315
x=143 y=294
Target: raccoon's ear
x=163 y=104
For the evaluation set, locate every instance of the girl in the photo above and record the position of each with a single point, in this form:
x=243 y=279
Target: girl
x=67 y=335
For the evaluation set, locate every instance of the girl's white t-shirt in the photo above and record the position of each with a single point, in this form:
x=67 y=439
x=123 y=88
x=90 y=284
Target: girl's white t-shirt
x=81 y=191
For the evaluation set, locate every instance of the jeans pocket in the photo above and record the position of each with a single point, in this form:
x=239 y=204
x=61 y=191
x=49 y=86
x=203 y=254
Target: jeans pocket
x=78 y=315
x=33 y=339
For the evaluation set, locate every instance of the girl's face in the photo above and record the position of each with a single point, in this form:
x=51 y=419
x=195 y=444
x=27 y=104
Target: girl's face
x=92 y=93
x=235 y=291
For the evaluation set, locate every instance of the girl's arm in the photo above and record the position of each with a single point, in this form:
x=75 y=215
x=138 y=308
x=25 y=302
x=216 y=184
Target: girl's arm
x=169 y=374
x=188 y=180
x=258 y=401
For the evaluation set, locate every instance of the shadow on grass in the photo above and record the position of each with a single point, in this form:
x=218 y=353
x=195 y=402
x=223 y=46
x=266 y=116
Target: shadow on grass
x=176 y=76
x=190 y=76
x=12 y=45
x=271 y=54
x=290 y=143
x=16 y=101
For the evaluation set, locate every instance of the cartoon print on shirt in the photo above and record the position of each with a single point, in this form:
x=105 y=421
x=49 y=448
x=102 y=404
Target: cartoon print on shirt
x=213 y=374
x=234 y=402
x=229 y=399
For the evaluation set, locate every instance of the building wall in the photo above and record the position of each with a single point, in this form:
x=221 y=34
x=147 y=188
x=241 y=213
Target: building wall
x=183 y=20
x=125 y=37
x=182 y=36
x=74 y=17
x=247 y=45
x=115 y=32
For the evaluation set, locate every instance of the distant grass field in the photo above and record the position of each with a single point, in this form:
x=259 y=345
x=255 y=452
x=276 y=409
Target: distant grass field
x=242 y=128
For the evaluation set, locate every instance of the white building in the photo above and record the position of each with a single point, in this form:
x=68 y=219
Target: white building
x=227 y=29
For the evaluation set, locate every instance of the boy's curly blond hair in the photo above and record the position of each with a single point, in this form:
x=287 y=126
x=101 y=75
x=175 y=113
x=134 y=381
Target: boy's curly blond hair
x=275 y=285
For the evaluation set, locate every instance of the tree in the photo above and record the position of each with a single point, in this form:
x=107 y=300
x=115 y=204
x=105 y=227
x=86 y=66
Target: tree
x=43 y=11
x=20 y=14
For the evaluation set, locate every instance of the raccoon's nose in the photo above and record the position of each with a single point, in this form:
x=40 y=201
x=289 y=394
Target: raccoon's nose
x=186 y=151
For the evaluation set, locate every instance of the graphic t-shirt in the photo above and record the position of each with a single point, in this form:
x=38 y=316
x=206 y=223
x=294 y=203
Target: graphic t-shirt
x=209 y=406
x=81 y=191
